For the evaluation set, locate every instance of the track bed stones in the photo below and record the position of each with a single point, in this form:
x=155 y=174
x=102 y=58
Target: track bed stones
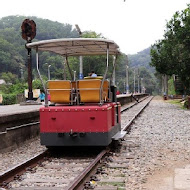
x=14 y=157
x=163 y=136
x=155 y=149
x=52 y=173
x=116 y=173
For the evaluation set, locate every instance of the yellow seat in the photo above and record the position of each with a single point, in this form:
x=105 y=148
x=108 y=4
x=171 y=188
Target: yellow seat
x=60 y=91
x=89 y=90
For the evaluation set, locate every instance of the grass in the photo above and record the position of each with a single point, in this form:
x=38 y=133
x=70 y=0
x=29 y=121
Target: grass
x=176 y=102
x=120 y=184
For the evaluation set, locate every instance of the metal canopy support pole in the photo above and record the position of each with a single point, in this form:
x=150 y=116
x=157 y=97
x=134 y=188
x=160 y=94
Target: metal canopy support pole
x=69 y=67
x=114 y=60
x=81 y=76
x=107 y=64
x=37 y=67
x=81 y=68
x=64 y=68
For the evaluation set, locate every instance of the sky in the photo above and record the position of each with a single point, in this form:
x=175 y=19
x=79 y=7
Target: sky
x=133 y=24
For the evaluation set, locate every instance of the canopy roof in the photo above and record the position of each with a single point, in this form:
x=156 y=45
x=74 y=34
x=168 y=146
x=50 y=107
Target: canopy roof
x=77 y=46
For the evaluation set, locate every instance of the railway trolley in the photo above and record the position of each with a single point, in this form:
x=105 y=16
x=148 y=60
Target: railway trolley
x=85 y=112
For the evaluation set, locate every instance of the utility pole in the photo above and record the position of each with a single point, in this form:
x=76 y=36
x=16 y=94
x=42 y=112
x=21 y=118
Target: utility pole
x=138 y=75
x=48 y=69
x=49 y=72
x=127 y=75
x=80 y=57
x=134 y=82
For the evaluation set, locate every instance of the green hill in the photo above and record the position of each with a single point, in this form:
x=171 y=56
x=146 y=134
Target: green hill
x=13 y=54
x=12 y=47
x=141 y=59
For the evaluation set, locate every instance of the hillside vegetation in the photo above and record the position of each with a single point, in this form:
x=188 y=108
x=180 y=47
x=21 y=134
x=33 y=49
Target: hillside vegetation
x=13 y=56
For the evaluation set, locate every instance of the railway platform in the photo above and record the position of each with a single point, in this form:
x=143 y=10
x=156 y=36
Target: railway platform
x=21 y=122
x=17 y=124
x=17 y=109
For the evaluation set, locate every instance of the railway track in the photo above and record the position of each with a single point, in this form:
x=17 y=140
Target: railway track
x=76 y=172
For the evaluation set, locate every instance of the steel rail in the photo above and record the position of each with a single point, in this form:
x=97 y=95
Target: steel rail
x=19 y=169
x=126 y=128
x=77 y=184
x=125 y=109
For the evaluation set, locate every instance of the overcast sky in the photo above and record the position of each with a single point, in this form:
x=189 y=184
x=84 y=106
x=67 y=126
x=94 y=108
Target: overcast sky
x=134 y=24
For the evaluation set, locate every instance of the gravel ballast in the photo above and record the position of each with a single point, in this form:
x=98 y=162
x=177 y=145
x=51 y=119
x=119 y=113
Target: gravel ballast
x=162 y=133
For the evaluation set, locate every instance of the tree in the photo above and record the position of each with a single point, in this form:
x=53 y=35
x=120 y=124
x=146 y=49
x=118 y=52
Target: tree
x=171 y=55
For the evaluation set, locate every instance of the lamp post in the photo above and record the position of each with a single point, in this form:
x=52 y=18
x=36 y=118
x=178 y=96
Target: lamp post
x=134 y=82
x=138 y=78
x=80 y=57
x=21 y=73
x=127 y=76
x=141 y=86
x=48 y=70
x=74 y=75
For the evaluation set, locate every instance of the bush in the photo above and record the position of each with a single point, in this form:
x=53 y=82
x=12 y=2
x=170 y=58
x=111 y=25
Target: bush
x=9 y=99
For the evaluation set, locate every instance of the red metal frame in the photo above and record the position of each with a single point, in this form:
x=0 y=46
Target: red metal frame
x=86 y=118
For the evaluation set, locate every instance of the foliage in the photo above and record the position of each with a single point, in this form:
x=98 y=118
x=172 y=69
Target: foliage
x=141 y=59
x=146 y=76
x=9 y=99
x=171 y=55
x=36 y=84
x=9 y=77
x=17 y=88
x=91 y=34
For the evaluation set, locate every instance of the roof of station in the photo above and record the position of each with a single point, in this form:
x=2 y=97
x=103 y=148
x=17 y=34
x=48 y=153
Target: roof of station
x=77 y=46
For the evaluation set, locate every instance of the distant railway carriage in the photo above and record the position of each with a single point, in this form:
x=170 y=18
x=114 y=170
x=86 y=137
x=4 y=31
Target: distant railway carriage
x=85 y=112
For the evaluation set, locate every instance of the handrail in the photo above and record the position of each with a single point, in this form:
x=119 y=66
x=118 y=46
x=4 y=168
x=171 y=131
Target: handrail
x=101 y=88
x=37 y=66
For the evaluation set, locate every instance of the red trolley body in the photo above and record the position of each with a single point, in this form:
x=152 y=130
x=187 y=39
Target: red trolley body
x=89 y=125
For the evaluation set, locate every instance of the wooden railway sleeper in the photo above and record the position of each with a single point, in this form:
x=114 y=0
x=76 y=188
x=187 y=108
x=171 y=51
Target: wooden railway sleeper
x=100 y=170
x=94 y=178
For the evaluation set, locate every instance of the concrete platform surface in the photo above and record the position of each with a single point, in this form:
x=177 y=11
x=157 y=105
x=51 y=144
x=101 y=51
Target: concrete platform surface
x=178 y=179
x=16 y=109
x=182 y=178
